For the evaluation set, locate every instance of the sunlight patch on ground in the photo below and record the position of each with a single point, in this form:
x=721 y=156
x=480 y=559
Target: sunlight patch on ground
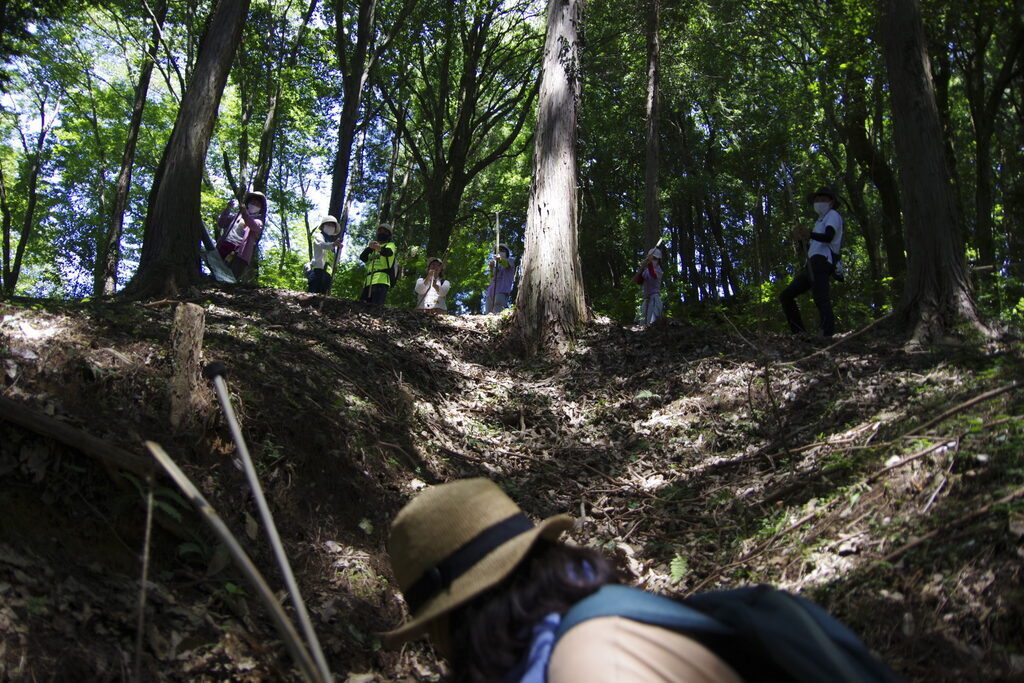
x=39 y=330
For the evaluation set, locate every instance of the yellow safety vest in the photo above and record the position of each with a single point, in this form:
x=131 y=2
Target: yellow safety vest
x=378 y=267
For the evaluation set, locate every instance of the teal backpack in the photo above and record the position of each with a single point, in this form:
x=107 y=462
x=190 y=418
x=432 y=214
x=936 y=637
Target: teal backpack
x=765 y=634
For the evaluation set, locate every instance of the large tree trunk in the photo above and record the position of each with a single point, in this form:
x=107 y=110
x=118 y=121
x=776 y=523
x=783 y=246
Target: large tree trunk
x=170 y=247
x=937 y=294
x=652 y=211
x=109 y=255
x=354 y=65
x=550 y=304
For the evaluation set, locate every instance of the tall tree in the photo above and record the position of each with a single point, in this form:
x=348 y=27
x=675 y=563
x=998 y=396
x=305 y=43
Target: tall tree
x=550 y=305
x=937 y=293
x=652 y=211
x=272 y=120
x=473 y=94
x=981 y=43
x=108 y=252
x=170 y=253
x=33 y=136
x=359 y=42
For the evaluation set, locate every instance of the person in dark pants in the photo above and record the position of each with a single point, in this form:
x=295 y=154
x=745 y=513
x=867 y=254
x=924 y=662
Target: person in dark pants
x=379 y=257
x=317 y=278
x=824 y=242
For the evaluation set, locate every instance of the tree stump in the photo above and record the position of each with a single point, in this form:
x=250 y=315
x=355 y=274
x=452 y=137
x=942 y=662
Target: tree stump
x=190 y=397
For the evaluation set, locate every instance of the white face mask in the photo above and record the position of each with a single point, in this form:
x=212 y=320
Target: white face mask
x=253 y=209
x=822 y=207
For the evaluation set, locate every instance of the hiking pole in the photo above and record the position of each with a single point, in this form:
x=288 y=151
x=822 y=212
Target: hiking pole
x=277 y=614
x=494 y=268
x=215 y=372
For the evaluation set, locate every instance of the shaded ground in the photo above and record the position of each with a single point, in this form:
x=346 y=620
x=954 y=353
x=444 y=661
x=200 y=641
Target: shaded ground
x=885 y=485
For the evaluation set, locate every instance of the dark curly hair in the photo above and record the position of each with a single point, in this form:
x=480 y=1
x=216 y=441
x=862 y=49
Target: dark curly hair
x=491 y=633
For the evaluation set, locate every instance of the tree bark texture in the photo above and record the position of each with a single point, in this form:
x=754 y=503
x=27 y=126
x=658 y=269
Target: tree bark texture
x=550 y=305
x=937 y=293
x=190 y=398
x=355 y=67
x=170 y=247
x=652 y=210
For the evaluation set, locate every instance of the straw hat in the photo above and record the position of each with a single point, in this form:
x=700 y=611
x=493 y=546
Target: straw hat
x=454 y=541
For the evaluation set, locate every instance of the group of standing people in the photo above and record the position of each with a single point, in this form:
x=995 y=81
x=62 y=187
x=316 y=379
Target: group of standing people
x=241 y=231
x=379 y=258
x=823 y=241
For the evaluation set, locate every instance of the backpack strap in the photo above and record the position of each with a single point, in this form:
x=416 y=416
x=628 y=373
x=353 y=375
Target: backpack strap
x=615 y=600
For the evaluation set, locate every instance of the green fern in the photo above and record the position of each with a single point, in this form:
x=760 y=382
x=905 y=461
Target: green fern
x=678 y=568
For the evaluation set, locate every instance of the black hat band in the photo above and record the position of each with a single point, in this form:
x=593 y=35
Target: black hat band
x=441 y=576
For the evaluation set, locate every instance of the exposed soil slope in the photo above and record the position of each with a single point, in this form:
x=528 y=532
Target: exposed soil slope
x=886 y=485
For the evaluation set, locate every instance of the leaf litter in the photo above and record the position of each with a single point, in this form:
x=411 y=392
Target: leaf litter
x=697 y=458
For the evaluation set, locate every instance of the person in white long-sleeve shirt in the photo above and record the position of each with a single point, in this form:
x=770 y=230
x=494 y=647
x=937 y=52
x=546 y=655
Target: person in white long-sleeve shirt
x=324 y=242
x=825 y=241
x=432 y=288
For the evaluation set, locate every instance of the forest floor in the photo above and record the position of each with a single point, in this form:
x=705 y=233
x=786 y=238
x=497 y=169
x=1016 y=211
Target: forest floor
x=885 y=483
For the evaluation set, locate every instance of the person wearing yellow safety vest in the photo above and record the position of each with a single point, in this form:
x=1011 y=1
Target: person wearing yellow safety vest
x=379 y=257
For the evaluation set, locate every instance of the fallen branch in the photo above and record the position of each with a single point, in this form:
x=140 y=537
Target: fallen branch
x=281 y=621
x=963 y=406
x=842 y=340
x=74 y=438
x=945 y=443
x=980 y=512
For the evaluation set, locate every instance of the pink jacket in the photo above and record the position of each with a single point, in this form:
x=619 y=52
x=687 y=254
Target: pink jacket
x=250 y=234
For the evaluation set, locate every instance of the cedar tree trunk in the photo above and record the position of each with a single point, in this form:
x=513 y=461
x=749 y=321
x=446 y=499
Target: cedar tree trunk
x=550 y=304
x=937 y=294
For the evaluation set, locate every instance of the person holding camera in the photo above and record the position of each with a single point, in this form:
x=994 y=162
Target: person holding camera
x=379 y=257
x=432 y=288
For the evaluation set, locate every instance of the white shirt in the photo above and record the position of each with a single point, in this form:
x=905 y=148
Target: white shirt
x=827 y=249
x=431 y=298
x=320 y=250
x=236 y=235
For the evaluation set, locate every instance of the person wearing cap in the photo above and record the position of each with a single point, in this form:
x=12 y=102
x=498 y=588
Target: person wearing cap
x=488 y=586
x=432 y=288
x=649 y=275
x=824 y=242
x=503 y=267
x=318 y=280
x=379 y=257
x=241 y=231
